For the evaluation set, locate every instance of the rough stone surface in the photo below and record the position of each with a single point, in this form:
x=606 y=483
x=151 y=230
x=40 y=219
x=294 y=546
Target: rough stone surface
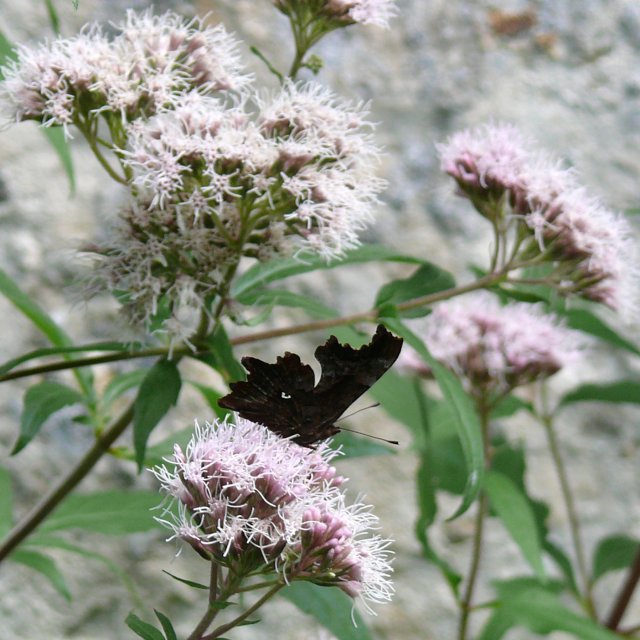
x=572 y=81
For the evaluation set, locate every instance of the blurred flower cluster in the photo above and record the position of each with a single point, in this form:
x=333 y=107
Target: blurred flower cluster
x=257 y=504
x=217 y=170
x=552 y=218
x=495 y=348
x=338 y=13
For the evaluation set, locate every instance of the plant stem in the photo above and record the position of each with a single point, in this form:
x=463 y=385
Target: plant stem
x=624 y=597
x=66 y=485
x=243 y=616
x=212 y=610
x=466 y=604
x=567 y=495
x=317 y=325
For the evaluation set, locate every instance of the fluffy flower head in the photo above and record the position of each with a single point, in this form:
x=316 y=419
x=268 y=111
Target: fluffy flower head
x=496 y=348
x=250 y=499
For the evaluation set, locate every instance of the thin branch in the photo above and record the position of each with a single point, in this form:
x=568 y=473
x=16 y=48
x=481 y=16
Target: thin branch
x=624 y=597
x=67 y=484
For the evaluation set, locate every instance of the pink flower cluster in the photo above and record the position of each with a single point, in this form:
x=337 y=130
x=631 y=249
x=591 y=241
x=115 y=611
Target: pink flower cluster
x=376 y=12
x=150 y=60
x=252 y=501
x=214 y=181
x=502 y=174
x=496 y=348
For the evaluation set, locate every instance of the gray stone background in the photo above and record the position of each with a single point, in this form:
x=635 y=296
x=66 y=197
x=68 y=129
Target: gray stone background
x=571 y=80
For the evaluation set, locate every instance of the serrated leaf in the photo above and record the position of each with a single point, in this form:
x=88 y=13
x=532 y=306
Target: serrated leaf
x=158 y=392
x=621 y=391
x=44 y=323
x=40 y=403
x=263 y=273
x=108 y=512
x=332 y=608
x=6 y=502
x=122 y=383
x=143 y=629
x=428 y=278
x=167 y=627
x=614 y=553
x=280 y=297
x=513 y=509
x=466 y=420
x=46 y=566
x=587 y=322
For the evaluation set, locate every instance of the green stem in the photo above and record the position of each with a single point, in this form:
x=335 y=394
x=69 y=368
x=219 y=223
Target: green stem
x=212 y=610
x=466 y=604
x=574 y=524
x=243 y=616
x=91 y=139
x=624 y=597
x=58 y=493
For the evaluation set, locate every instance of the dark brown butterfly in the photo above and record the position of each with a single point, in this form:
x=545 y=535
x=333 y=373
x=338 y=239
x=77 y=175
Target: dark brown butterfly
x=285 y=399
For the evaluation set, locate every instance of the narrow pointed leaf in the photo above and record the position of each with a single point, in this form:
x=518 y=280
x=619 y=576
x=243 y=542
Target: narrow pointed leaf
x=622 y=391
x=588 y=322
x=221 y=356
x=143 y=629
x=211 y=396
x=167 y=627
x=46 y=566
x=122 y=383
x=56 y=335
x=40 y=403
x=109 y=512
x=158 y=393
x=263 y=273
x=466 y=420
x=283 y=298
x=6 y=503
x=189 y=583
x=512 y=507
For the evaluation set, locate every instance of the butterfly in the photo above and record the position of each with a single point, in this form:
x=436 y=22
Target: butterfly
x=285 y=398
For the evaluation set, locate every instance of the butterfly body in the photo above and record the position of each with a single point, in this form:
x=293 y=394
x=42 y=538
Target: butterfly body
x=284 y=397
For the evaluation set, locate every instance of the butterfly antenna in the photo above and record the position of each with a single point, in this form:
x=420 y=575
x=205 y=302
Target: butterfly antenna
x=371 y=406
x=367 y=435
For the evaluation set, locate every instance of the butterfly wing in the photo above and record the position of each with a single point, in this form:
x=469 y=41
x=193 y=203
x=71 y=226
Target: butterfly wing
x=279 y=396
x=351 y=371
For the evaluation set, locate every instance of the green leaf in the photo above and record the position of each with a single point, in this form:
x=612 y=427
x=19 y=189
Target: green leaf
x=53 y=16
x=158 y=392
x=7 y=52
x=122 y=383
x=587 y=322
x=41 y=402
x=211 y=396
x=189 y=583
x=263 y=273
x=425 y=280
x=541 y=611
x=221 y=357
x=44 y=323
x=511 y=405
x=156 y=454
x=108 y=512
x=354 y=446
x=332 y=608
x=283 y=298
x=513 y=508
x=167 y=627
x=6 y=503
x=622 y=391
x=44 y=565
x=466 y=420
x=143 y=629
x=614 y=553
